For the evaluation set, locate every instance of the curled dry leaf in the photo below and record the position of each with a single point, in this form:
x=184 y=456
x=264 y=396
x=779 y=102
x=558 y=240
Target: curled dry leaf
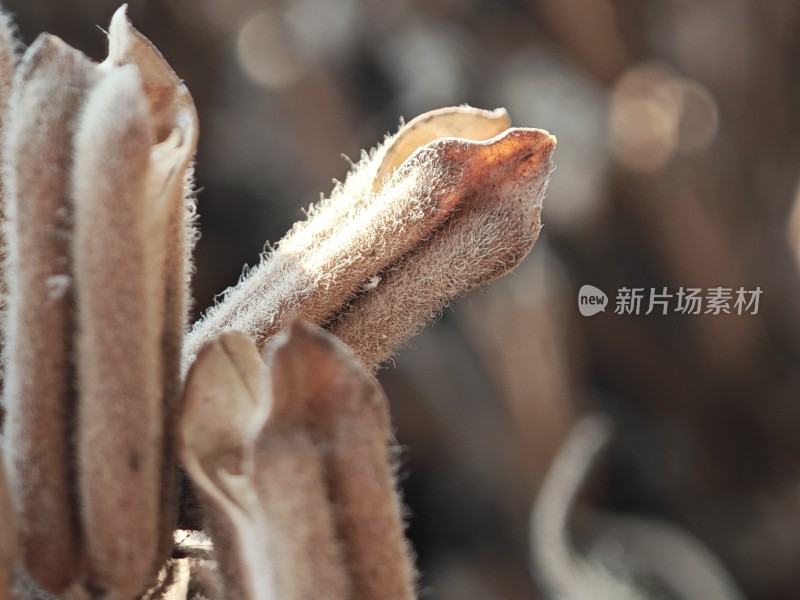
x=554 y=560
x=390 y=203
x=262 y=483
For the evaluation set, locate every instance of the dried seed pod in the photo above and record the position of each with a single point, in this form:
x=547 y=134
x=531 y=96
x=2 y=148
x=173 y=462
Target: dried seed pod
x=385 y=208
x=39 y=394
x=8 y=535
x=8 y=60
x=263 y=483
x=502 y=183
x=226 y=402
x=291 y=478
x=175 y=120
x=118 y=258
x=348 y=416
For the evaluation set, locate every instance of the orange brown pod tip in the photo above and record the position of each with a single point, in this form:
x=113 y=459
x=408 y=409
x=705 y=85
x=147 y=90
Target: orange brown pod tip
x=502 y=182
x=39 y=391
x=393 y=199
x=347 y=416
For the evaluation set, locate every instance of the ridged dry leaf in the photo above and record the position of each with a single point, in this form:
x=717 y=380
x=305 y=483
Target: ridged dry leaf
x=170 y=185
x=226 y=402
x=389 y=204
x=502 y=182
x=118 y=263
x=347 y=415
x=39 y=387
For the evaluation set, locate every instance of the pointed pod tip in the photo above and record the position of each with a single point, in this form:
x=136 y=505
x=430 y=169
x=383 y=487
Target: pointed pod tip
x=317 y=379
x=120 y=16
x=45 y=45
x=118 y=32
x=232 y=350
x=47 y=51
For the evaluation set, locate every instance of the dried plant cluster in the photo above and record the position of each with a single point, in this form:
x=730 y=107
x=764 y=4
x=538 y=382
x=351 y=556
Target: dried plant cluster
x=270 y=400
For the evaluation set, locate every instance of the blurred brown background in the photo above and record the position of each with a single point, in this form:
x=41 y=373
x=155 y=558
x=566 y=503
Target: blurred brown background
x=678 y=165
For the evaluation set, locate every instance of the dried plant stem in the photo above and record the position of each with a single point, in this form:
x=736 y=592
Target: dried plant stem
x=118 y=261
x=503 y=183
x=39 y=394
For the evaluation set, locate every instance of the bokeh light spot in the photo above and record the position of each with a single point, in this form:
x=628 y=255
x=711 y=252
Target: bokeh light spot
x=265 y=51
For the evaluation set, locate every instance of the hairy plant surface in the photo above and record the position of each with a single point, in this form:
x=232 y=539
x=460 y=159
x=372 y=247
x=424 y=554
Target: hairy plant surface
x=282 y=430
